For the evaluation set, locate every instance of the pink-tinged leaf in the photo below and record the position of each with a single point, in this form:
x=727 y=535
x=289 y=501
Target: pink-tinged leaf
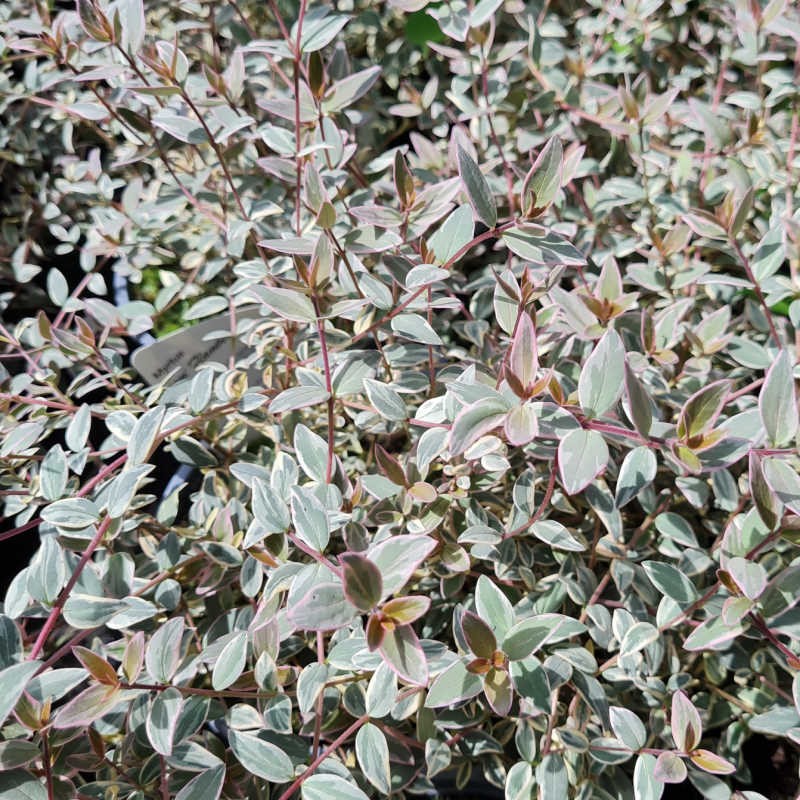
x=89 y=705
x=687 y=729
x=405 y=610
x=713 y=634
x=478 y=635
x=784 y=482
x=777 y=401
x=398 y=558
x=363 y=584
x=639 y=406
x=499 y=692
x=767 y=504
x=163 y=653
x=324 y=608
x=582 y=455
x=453 y=685
x=403 y=653
x=669 y=768
x=96 y=666
x=133 y=658
x=701 y=410
x=711 y=762
x=523 y=359
x=543 y=181
x=521 y=425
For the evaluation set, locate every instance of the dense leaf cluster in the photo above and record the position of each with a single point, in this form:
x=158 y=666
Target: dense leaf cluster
x=486 y=394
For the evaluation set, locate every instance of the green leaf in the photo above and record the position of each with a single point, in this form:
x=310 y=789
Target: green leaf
x=483 y=12
x=386 y=400
x=184 y=129
x=769 y=255
x=493 y=607
x=527 y=636
x=17 y=753
x=543 y=181
x=398 y=558
x=206 y=786
x=10 y=642
x=381 y=692
x=287 y=303
x=455 y=233
x=628 y=728
x=551 y=777
x=163 y=652
x=330 y=787
x=85 y=611
x=13 y=681
x=582 y=455
x=54 y=473
x=320 y=29
x=401 y=650
x=346 y=91
x=685 y=723
x=416 y=328
x=230 y=662
x=162 y=720
x=602 y=375
x=132 y=23
x=784 y=482
x=519 y=782
x=637 y=637
x=557 y=536
x=312 y=453
x=296 y=397
x=670 y=581
x=260 y=757
x=363 y=584
x=372 y=753
x=506 y=300
x=530 y=681
x=713 y=634
x=309 y=685
x=310 y=519
x=123 y=489
x=438 y=756
x=324 y=608
x=701 y=410
x=749 y=576
x=645 y=785
x=143 y=436
x=639 y=406
x=269 y=509
x=78 y=429
x=476 y=420
x=777 y=402
x=637 y=471
x=535 y=244
x=478 y=191
x=454 y=684
x=72 y=513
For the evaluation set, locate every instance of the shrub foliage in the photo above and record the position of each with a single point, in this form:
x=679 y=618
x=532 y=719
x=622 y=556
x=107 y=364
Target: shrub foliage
x=489 y=392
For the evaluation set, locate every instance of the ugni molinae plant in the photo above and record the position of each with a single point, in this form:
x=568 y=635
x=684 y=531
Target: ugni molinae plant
x=498 y=469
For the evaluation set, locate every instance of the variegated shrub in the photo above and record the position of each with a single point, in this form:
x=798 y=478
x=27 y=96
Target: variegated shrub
x=489 y=397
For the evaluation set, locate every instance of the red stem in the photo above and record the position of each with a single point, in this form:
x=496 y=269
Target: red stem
x=55 y=612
